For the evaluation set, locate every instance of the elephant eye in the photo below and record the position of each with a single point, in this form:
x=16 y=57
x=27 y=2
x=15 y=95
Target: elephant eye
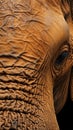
x=60 y=59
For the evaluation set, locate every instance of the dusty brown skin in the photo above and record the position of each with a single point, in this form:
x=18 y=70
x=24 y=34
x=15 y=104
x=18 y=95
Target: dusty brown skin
x=36 y=57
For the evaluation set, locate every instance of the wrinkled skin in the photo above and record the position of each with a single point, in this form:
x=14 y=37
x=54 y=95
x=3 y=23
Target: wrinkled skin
x=36 y=57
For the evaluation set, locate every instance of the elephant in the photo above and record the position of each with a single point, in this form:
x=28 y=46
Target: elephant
x=36 y=59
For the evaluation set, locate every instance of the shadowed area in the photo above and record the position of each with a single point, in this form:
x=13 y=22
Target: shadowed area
x=65 y=117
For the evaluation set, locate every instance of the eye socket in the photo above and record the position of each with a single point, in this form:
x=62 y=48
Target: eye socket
x=61 y=58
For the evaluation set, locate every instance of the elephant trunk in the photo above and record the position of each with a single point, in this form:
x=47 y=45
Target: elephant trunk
x=23 y=104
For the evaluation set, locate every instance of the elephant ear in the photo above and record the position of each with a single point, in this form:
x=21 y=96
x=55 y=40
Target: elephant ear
x=71 y=81
x=71 y=6
x=60 y=91
x=71 y=85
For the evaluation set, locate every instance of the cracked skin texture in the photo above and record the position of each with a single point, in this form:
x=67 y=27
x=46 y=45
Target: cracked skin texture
x=34 y=82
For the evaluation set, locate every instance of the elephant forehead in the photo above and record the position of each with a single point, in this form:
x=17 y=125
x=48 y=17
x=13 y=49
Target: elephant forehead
x=30 y=31
x=19 y=22
x=18 y=13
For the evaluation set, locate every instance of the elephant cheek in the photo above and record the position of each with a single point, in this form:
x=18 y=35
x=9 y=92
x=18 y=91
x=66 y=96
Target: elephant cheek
x=71 y=85
x=49 y=114
x=61 y=91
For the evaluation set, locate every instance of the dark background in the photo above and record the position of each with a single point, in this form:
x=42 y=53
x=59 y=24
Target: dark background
x=65 y=117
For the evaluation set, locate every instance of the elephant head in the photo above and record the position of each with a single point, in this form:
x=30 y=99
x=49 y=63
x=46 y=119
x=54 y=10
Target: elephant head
x=36 y=58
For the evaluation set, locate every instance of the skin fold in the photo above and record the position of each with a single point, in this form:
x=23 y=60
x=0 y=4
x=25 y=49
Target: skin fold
x=36 y=58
